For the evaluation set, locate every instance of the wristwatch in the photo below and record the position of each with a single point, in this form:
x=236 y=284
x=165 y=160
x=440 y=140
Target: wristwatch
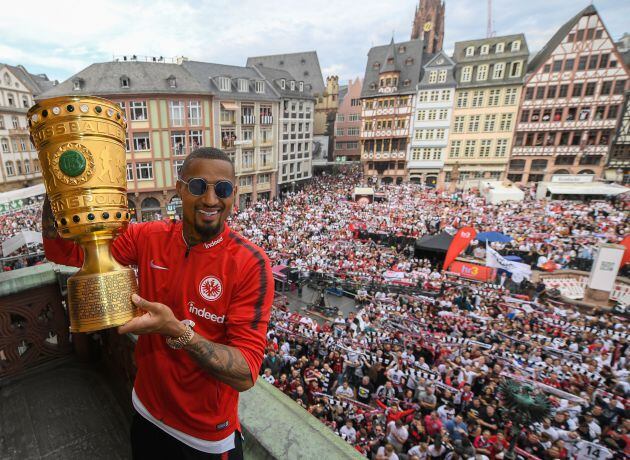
x=180 y=342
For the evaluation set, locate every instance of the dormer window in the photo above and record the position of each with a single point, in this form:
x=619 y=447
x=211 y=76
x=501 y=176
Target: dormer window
x=485 y=49
x=77 y=84
x=260 y=87
x=470 y=51
x=292 y=85
x=243 y=85
x=500 y=48
x=372 y=86
x=409 y=61
x=301 y=86
x=407 y=82
x=390 y=60
x=376 y=66
x=172 y=81
x=306 y=73
x=224 y=84
x=283 y=84
x=402 y=49
x=516 y=45
x=303 y=61
x=281 y=62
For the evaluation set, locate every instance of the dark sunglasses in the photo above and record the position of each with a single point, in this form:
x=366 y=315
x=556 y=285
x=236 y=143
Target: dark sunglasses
x=198 y=186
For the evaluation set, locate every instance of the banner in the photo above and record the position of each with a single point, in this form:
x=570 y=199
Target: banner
x=626 y=255
x=473 y=271
x=517 y=269
x=462 y=239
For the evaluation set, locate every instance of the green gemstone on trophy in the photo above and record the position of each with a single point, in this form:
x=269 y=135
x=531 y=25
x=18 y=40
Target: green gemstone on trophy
x=72 y=163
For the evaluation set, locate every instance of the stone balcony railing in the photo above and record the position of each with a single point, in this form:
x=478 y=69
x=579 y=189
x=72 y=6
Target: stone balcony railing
x=34 y=339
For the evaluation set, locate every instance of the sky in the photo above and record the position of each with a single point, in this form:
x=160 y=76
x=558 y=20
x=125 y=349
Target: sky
x=62 y=37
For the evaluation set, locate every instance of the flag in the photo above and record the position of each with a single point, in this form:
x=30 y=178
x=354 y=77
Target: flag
x=496 y=260
x=462 y=239
x=626 y=255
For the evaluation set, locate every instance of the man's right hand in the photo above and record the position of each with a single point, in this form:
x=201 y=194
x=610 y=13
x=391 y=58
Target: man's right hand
x=49 y=229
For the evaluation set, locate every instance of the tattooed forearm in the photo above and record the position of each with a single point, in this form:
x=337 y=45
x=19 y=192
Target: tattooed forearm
x=48 y=221
x=221 y=361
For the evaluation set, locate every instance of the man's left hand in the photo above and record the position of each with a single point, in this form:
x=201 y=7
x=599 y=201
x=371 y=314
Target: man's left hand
x=157 y=319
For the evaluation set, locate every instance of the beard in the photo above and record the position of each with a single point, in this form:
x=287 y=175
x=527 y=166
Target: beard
x=207 y=232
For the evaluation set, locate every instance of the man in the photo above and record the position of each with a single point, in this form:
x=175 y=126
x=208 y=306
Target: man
x=345 y=391
x=186 y=390
x=456 y=428
x=397 y=434
x=348 y=432
x=365 y=390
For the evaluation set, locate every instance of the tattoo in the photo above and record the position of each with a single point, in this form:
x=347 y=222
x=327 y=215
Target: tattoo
x=223 y=362
x=49 y=229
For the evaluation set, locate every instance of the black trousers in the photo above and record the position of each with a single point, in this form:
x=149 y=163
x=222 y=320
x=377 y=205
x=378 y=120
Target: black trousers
x=148 y=442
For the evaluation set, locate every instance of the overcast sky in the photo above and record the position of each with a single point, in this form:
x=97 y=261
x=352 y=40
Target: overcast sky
x=61 y=37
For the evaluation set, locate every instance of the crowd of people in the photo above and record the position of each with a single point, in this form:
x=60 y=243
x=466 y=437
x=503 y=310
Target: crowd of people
x=12 y=222
x=405 y=375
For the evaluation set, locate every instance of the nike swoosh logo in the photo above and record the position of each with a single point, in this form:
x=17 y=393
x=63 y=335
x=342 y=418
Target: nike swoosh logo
x=157 y=266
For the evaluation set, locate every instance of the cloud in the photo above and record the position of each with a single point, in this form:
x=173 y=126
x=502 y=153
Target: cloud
x=61 y=39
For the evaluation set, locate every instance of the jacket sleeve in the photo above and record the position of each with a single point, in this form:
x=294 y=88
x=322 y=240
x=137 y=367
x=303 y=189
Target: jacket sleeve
x=66 y=252
x=249 y=311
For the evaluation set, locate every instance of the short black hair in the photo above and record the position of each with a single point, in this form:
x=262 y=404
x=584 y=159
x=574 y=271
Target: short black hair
x=206 y=153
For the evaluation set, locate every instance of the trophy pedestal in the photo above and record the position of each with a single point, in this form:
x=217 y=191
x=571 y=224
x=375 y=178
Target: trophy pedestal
x=102 y=300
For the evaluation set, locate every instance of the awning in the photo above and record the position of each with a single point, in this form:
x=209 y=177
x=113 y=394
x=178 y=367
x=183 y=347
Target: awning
x=364 y=191
x=229 y=106
x=22 y=193
x=592 y=188
x=23 y=238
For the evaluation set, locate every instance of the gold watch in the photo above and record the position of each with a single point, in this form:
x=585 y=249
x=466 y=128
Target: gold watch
x=180 y=342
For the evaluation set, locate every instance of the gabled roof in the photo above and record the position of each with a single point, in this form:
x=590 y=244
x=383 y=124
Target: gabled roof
x=273 y=78
x=36 y=84
x=409 y=58
x=557 y=38
x=435 y=60
x=144 y=77
x=391 y=61
x=303 y=66
x=206 y=75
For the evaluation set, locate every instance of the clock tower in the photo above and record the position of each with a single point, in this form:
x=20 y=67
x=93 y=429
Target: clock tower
x=428 y=24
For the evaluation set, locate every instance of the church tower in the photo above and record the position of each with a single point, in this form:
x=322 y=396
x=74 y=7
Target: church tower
x=428 y=24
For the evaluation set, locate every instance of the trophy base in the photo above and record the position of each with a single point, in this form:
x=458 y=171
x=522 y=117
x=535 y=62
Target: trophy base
x=102 y=300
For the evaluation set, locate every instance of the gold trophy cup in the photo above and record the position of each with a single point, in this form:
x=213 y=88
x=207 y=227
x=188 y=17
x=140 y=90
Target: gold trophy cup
x=81 y=145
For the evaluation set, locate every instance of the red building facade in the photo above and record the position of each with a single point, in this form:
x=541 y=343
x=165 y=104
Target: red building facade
x=348 y=124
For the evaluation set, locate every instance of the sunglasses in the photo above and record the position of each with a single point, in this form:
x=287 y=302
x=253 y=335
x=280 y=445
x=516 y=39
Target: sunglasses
x=198 y=187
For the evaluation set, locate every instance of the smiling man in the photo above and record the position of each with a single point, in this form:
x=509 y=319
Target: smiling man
x=207 y=293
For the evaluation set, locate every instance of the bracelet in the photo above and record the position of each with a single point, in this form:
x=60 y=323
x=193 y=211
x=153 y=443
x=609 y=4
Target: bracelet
x=180 y=342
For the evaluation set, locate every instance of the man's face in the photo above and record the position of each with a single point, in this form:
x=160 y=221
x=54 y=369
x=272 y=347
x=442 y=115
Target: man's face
x=205 y=215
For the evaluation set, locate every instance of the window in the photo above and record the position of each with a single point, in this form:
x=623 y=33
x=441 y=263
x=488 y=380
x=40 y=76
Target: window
x=25 y=103
x=551 y=92
x=243 y=85
x=224 y=84
x=351 y=117
x=516 y=45
x=141 y=142
x=226 y=116
x=502 y=147
x=469 y=150
x=470 y=51
x=247 y=134
x=178 y=142
x=466 y=73
x=339 y=132
x=442 y=114
x=462 y=99
x=484 y=49
x=499 y=48
x=538 y=165
x=445 y=95
x=138 y=110
x=177 y=113
x=129 y=172
x=619 y=86
x=568 y=65
x=353 y=131
x=433 y=76
x=590 y=89
x=292 y=85
x=516 y=69
x=10 y=100
x=577 y=90
x=144 y=171
x=477 y=99
x=247 y=159
x=517 y=165
x=557 y=65
x=564 y=160
x=76 y=85
x=489 y=122
x=339 y=145
x=525 y=116
x=582 y=62
x=506 y=122
x=540 y=92
x=246 y=181
x=606 y=87
x=195 y=139
x=15 y=122
x=124 y=82
x=5 y=145
x=498 y=71
x=592 y=62
x=260 y=86
x=22 y=145
x=8 y=165
x=442 y=76
x=423 y=96
x=613 y=111
x=283 y=83
x=455 y=149
x=529 y=93
x=265 y=158
x=484 y=148
x=340 y=117
x=194 y=113
x=510 y=96
x=172 y=82
x=482 y=72
x=1 y=121
x=264 y=178
x=603 y=61
x=458 y=125
x=564 y=91
x=473 y=123
x=177 y=167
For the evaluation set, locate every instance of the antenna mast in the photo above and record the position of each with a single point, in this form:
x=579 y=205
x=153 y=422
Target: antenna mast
x=489 y=25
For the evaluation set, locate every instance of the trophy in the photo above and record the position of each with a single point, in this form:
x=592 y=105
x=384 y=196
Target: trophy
x=81 y=145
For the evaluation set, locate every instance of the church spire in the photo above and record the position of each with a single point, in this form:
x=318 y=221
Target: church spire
x=428 y=24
